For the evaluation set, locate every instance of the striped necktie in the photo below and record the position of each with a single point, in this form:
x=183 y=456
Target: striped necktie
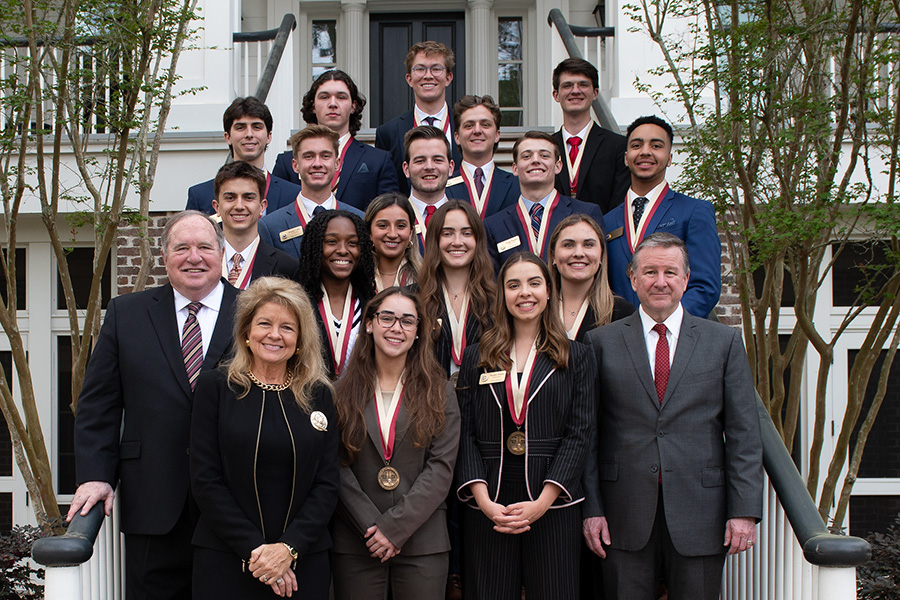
x=235 y=271
x=192 y=344
x=537 y=213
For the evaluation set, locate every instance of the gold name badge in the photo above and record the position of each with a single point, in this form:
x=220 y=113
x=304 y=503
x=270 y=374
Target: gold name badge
x=289 y=234
x=454 y=181
x=493 y=377
x=615 y=233
x=418 y=229
x=507 y=244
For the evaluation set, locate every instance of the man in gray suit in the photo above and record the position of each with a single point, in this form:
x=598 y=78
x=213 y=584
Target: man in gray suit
x=679 y=458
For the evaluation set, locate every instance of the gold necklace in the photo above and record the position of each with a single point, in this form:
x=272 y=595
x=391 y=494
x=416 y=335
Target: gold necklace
x=271 y=387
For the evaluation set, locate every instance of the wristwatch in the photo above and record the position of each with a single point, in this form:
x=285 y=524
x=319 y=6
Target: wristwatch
x=294 y=554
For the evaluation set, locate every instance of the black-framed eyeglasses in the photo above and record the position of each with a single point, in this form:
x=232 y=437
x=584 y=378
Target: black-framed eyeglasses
x=387 y=319
x=436 y=70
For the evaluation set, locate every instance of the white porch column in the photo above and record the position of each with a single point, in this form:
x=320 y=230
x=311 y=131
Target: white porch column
x=481 y=48
x=355 y=38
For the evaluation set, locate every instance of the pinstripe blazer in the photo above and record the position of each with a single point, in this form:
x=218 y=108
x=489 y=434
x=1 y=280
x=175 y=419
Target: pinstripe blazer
x=557 y=426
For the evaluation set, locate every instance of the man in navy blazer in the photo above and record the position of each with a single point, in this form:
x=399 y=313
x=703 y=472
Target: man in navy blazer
x=134 y=412
x=315 y=150
x=489 y=188
x=364 y=172
x=239 y=202
x=528 y=224
x=594 y=154
x=648 y=155
x=248 y=132
x=429 y=70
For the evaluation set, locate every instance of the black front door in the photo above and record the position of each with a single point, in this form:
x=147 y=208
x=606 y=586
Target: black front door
x=391 y=36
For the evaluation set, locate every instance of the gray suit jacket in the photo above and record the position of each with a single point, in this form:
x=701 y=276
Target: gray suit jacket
x=412 y=516
x=704 y=438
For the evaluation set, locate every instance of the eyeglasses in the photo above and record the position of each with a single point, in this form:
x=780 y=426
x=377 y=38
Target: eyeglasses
x=387 y=319
x=436 y=70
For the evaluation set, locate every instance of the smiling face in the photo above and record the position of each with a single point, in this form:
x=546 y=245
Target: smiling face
x=394 y=341
x=578 y=253
x=575 y=93
x=428 y=168
x=648 y=153
x=457 y=241
x=659 y=280
x=525 y=291
x=477 y=134
x=193 y=259
x=333 y=106
x=315 y=164
x=426 y=85
x=239 y=206
x=248 y=139
x=340 y=249
x=272 y=338
x=391 y=232
x=537 y=163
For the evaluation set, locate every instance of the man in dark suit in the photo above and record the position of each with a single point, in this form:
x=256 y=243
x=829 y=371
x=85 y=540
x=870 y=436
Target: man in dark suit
x=315 y=150
x=429 y=70
x=363 y=172
x=651 y=206
x=528 y=224
x=239 y=202
x=679 y=462
x=427 y=166
x=489 y=188
x=151 y=348
x=248 y=132
x=593 y=168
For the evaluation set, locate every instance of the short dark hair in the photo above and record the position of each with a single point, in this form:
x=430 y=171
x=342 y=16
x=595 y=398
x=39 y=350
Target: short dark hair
x=313 y=131
x=424 y=132
x=239 y=169
x=307 y=107
x=576 y=66
x=535 y=135
x=246 y=107
x=469 y=101
x=649 y=120
x=430 y=48
x=661 y=239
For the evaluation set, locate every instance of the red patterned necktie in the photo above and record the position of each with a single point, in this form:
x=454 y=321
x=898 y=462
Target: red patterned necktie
x=537 y=213
x=573 y=142
x=235 y=271
x=429 y=212
x=192 y=344
x=479 y=181
x=662 y=361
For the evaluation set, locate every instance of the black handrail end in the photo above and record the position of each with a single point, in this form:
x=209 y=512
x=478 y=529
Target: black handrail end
x=75 y=546
x=829 y=550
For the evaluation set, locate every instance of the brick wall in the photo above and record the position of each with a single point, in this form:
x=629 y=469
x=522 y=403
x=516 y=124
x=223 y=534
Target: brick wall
x=729 y=307
x=128 y=253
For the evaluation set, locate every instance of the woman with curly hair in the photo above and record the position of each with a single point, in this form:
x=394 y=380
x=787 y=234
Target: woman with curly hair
x=526 y=395
x=390 y=218
x=264 y=454
x=337 y=270
x=456 y=281
x=399 y=425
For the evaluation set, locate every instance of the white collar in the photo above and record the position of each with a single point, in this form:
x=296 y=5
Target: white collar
x=672 y=322
x=582 y=134
x=421 y=206
x=487 y=169
x=212 y=300
x=440 y=115
x=330 y=204
x=543 y=201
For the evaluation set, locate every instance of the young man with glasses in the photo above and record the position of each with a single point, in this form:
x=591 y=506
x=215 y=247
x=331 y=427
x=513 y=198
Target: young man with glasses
x=429 y=70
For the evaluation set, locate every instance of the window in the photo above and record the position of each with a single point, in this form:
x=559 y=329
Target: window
x=859 y=265
x=21 y=296
x=81 y=270
x=324 y=47
x=65 y=442
x=510 y=70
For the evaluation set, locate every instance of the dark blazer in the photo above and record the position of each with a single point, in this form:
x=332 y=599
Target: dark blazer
x=283 y=219
x=412 y=516
x=704 y=439
x=137 y=369
x=224 y=433
x=390 y=136
x=281 y=193
x=603 y=178
x=506 y=225
x=504 y=190
x=443 y=346
x=272 y=261
x=557 y=427
x=692 y=220
x=367 y=172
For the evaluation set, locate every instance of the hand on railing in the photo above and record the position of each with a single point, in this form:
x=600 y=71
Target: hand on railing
x=75 y=546
x=88 y=494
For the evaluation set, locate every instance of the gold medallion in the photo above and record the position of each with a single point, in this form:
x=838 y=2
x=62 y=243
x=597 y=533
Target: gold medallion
x=388 y=478
x=515 y=443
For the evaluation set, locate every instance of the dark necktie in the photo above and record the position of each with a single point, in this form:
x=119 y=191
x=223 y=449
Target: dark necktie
x=235 y=271
x=637 y=209
x=662 y=361
x=574 y=142
x=430 y=121
x=192 y=344
x=479 y=181
x=429 y=212
x=537 y=213
x=318 y=210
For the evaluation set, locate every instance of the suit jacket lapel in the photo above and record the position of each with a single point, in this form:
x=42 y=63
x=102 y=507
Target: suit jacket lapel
x=351 y=160
x=162 y=316
x=687 y=341
x=222 y=334
x=499 y=187
x=263 y=262
x=372 y=426
x=664 y=205
x=543 y=368
x=591 y=146
x=637 y=350
x=563 y=210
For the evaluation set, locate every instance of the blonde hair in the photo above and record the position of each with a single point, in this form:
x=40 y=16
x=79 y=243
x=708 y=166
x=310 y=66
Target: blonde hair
x=307 y=365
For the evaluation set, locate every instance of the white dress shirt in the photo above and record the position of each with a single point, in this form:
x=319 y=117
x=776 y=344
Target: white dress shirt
x=206 y=316
x=673 y=329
